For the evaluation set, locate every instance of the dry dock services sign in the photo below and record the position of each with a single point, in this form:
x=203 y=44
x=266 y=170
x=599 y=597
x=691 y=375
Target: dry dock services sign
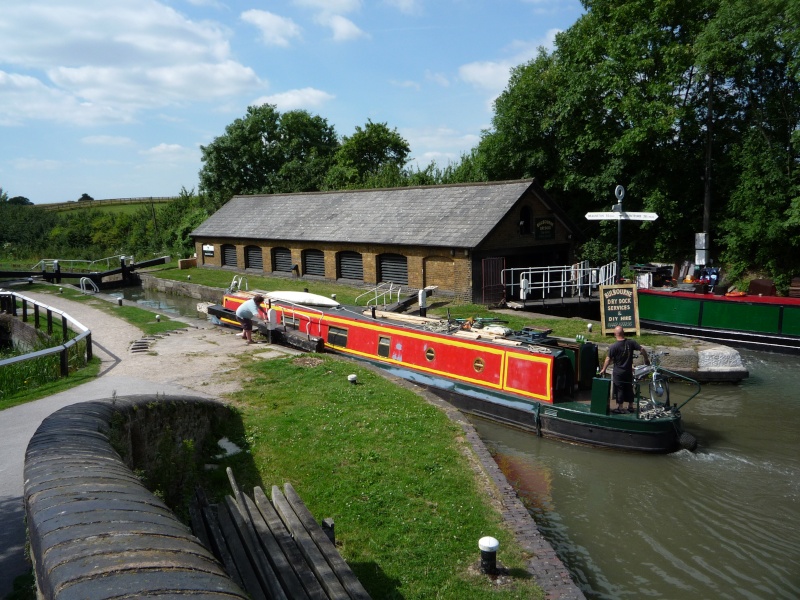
x=619 y=305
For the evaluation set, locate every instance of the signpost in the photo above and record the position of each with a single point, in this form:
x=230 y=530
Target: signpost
x=617 y=214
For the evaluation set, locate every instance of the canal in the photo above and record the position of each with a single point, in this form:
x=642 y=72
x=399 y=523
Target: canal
x=723 y=522
x=720 y=523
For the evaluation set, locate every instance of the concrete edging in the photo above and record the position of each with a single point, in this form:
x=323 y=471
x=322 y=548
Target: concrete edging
x=95 y=531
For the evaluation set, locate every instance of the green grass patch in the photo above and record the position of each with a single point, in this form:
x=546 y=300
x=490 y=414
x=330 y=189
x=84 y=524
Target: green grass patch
x=79 y=377
x=390 y=469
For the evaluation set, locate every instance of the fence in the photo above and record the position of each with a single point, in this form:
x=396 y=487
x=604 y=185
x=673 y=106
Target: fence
x=79 y=346
x=540 y=283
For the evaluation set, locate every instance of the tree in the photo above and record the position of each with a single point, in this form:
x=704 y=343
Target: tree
x=372 y=157
x=20 y=201
x=648 y=94
x=85 y=198
x=266 y=152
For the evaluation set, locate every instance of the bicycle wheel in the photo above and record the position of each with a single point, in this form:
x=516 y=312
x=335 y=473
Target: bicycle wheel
x=659 y=390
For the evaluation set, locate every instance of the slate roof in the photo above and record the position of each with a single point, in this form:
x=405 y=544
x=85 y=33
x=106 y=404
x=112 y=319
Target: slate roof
x=458 y=216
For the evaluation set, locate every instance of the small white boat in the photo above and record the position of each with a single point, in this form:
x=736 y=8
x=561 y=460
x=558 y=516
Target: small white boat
x=304 y=298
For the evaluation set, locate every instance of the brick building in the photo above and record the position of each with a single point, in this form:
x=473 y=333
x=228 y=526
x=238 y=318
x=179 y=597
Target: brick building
x=456 y=237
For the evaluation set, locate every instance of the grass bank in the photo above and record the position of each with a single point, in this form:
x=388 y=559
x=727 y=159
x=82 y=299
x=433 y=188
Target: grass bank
x=392 y=470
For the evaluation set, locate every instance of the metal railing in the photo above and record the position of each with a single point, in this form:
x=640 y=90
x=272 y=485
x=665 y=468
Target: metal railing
x=89 y=266
x=382 y=294
x=540 y=283
x=8 y=302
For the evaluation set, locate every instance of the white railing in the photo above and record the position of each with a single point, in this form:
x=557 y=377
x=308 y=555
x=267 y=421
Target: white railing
x=540 y=283
x=382 y=294
x=49 y=264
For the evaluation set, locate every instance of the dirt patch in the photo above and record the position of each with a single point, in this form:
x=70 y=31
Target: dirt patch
x=307 y=361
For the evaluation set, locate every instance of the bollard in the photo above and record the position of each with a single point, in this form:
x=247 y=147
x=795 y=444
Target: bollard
x=352 y=378
x=119 y=301
x=158 y=318
x=422 y=298
x=589 y=327
x=488 y=546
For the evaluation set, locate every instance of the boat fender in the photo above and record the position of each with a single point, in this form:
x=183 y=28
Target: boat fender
x=687 y=441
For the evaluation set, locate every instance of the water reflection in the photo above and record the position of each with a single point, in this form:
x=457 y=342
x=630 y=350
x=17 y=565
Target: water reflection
x=723 y=522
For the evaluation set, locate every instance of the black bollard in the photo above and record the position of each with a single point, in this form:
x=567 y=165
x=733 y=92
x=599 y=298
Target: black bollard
x=488 y=546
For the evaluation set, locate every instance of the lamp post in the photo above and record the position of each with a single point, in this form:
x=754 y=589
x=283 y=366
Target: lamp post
x=619 y=192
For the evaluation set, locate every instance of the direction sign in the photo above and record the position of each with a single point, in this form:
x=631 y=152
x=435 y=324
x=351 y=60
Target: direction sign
x=621 y=216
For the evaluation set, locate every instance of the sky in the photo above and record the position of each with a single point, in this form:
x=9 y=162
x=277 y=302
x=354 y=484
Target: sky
x=114 y=98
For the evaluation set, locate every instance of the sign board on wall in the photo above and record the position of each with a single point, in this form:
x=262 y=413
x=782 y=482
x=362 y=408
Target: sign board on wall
x=544 y=229
x=208 y=249
x=619 y=305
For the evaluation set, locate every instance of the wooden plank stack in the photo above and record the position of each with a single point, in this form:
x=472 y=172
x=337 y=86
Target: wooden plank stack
x=275 y=549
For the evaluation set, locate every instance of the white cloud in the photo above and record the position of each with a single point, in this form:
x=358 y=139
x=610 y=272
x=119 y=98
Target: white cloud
x=437 y=78
x=95 y=61
x=306 y=98
x=493 y=75
x=413 y=85
x=330 y=6
x=275 y=30
x=442 y=145
x=107 y=140
x=343 y=29
x=405 y=6
x=169 y=153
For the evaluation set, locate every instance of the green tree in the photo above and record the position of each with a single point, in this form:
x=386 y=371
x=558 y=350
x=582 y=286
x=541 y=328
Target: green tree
x=268 y=152
x=647 y=93
x=20 y=201
x=372 y=157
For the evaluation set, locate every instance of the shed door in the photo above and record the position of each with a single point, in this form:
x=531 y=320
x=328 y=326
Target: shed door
x=228 y=255
x=314 y=262
x=253 y=258
x=394 y=268
x=282 y=260
x=351 y=266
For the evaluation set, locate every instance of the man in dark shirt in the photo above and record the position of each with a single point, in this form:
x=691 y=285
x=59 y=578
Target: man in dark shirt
x=621 y=354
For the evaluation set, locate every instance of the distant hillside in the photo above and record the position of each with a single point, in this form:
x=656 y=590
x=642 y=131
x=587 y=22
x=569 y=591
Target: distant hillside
x=82 y=204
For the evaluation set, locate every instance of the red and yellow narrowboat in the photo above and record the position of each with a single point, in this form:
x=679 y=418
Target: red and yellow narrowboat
x=522 y=379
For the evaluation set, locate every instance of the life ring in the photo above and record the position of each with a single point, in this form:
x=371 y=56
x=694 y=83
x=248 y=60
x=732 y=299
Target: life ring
x=735 y=294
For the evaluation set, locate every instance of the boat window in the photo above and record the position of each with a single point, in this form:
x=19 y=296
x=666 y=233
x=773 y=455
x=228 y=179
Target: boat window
x=384 y=346
x=430 y=354
x=478 y=365
x=337 y=336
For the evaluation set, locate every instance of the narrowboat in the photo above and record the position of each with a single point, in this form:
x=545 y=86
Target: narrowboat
x=524 y=379
x=770 y=323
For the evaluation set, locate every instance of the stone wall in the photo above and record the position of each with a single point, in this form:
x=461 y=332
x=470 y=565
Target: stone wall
x=95 y=531
x=23 y=335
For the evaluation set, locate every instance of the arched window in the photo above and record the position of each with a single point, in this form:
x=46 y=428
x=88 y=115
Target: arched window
x=314 y=263
x=282 y=260
x=394 y=268
x=253 y=258
x=228 y=252
x=525 y=221
x=349 y=265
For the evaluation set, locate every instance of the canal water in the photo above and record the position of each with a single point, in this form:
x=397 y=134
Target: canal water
x=721 y=523
x=169 y=304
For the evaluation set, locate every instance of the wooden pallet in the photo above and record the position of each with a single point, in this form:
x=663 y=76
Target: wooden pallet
x=275 y=549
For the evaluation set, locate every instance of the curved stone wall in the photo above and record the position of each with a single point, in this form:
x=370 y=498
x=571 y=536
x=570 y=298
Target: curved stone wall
x=95 y=531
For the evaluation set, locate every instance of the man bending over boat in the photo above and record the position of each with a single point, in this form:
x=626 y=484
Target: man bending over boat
x=621 y=354
x=245 y=313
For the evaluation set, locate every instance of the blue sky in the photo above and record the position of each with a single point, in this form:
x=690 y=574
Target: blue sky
x=114 y=98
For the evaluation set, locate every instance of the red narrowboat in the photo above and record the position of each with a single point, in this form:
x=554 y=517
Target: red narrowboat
x=522 y=379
